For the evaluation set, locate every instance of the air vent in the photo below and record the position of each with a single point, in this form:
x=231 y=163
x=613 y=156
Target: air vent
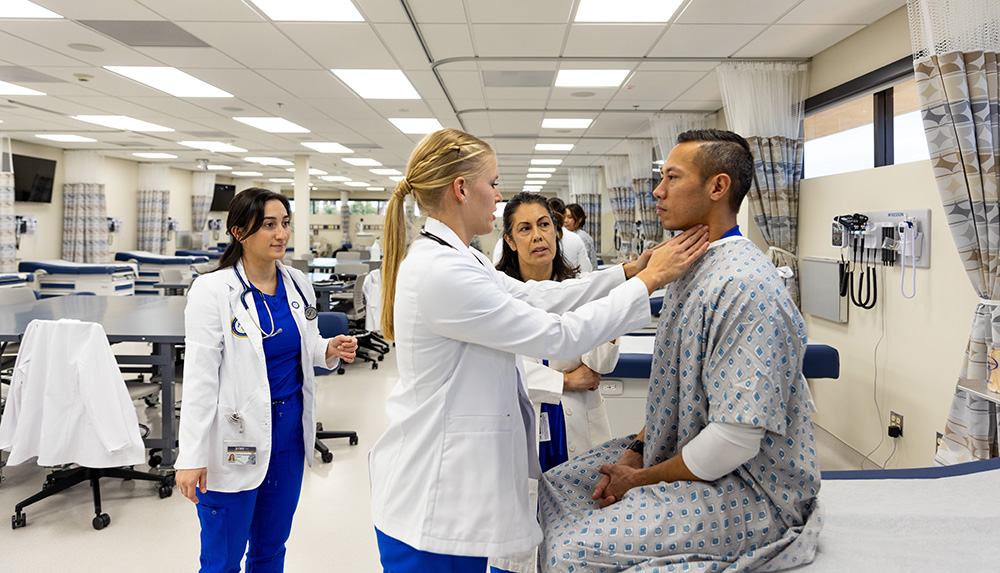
x=517 y=79
x=146 y=34
x=18 y=74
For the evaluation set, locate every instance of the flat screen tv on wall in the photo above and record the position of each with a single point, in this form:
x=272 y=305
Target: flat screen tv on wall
x=33 y=178
x=223 y=195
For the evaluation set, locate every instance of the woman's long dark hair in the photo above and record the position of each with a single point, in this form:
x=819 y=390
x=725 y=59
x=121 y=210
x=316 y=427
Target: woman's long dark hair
x=246 y=212
x=509 y=263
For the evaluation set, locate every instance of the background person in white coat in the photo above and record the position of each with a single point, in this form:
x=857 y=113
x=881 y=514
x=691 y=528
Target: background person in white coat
x=249 y=409
x=450 y=474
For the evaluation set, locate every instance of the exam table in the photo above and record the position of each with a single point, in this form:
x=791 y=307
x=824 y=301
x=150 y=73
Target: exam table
x=58 y=277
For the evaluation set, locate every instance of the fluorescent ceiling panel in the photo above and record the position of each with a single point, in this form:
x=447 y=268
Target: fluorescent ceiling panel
x=362 y=162
x=645 y=11
x=312 y=171
x=590 y=78
x=355 y=184
x=65 y=137
x=534 y=183
x=541 y=169
x=539 y=175
x=546 y=161
x=327 y=147
x=219 y=168
x=553 y=146
x=24 y=9
x=310 y=10
x=531 y=188
x=122 y=122
x=155 y=155
x=268 y=161
x=335 y=178
x=378 y=84
x=272 y=124
x=416 y=125
x=557 y=123
x=12 y=89
x=376 y=189
x=281 y=180
x=216 y=146
x=386 y=171
x=397 y=178
x=247 y=173
x=169 y=80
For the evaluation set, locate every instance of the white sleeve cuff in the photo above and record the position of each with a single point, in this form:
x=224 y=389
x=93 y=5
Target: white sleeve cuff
x=721 y=448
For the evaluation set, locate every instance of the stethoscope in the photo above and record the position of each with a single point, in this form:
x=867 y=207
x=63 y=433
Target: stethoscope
x=310 y=311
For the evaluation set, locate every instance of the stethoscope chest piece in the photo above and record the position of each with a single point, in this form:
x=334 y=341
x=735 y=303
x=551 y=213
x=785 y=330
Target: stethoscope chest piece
x=311 y=312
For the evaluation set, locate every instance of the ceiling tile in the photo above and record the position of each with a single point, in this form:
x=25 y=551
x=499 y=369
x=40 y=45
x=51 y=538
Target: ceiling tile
x=309 y=84
x=841 y=12
x=404 y=46
x=25 y=53
x=447 y=40
x=638 y=104
x=438 y=12
x=694 y=105
x=517 y=39
x=146 y=33
x=597 y=40
x=574 y=103
x=735 y=11
x=77 y=10
x=611 y=123
x=707 y=89
x=533 y=95
x=520 y=11
x=190 y=58
x=800 y=40
x=253 y=45
x=382 y=11
x=340 y=44
x=702 y=40
x=201 y=11
x=676 y=66
x=662 y=86
x=462 y=85
x=69 y=32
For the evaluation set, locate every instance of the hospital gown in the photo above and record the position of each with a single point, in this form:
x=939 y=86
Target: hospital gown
x=729 y=348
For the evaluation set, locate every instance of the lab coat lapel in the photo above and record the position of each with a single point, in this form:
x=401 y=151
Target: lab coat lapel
x=246 y=317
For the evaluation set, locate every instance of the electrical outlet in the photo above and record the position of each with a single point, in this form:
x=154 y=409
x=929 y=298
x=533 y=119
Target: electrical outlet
x=611 y=388
x=895 y=425
x=937 y=444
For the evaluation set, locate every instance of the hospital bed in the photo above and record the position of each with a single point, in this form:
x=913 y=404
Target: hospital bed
x=58 y=277
x=150 y=265
x=625 y=388
x=213 y=255
x=16 y=280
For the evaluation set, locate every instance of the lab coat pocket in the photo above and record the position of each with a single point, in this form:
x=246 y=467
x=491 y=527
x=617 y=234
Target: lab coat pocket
x=598 y=426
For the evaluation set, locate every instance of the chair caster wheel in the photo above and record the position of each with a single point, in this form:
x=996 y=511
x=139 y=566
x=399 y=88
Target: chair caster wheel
x=154 y=460
x=152 y=401
x=374 y=365
x=353 y=440
x=340 y=371
x=380 y=357
x=18 y=520
x=166 y=491
x=101 y=521
x=319 y=426
x=327 y=457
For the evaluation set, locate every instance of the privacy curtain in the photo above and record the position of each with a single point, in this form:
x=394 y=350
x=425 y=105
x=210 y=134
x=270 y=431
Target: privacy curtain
x=85 y=213
x=153 y=199
x=640 y=160
x=202 y=190
x=585 y=191
x=955 y=47
x=8 y=248
x=618 y=179
x=764 y=102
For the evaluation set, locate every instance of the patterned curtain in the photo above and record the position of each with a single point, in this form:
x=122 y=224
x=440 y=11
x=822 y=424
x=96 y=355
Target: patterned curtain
x=619 y=181
x=202 y=190
x=8 y=241
x=764 y=102
x=85 y=213
x=153 y=201
x=667 y=126
x=955 y=61
x=585 y=190
x=640 y=160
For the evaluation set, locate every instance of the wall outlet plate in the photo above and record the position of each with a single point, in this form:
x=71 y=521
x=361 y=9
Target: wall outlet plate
x=895 y=421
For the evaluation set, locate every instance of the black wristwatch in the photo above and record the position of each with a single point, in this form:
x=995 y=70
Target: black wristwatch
x=637 y=446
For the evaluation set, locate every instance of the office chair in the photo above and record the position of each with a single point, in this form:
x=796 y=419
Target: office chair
x=331 y=324
x=352 y=304
x=349 y=256
x=68 y=405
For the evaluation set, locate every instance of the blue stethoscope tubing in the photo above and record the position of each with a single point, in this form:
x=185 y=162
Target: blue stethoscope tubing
x=310 y=310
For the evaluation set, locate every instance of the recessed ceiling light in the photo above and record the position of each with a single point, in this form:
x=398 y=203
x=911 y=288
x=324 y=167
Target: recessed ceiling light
x=386 y=171
x=355 y=184
x=532 y=182
x=85 y=47
x=541 y=169
x=24 y=9
x=219 y=168
x=362 y=162
x=540 y=175
x=553 y=146
x=65 y=137
x=155 y=155
x=651 y=11
x=272 y=124
x=268 y=161
x=169 y=80
x=310 y=10
x=335 y=178
x=122 y=122
x=531 y=188
x=216 y=146
x=546 y=161
x=247 y=173
x=11 y=89
x=590 y=78
x=583 y=94
x=378 y=84
x=397 y=178
x=281 y=180
x=416 y=125
x=558 y=123
x=327 y=147
x=312 y=171
x=376 y=189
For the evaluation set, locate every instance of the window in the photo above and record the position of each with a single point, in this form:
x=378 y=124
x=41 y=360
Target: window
x=324 y=207
x=908 y=140
x=840 y=139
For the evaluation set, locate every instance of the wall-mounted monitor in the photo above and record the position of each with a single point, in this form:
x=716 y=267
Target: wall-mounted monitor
x=33 y=178
x=223 y=195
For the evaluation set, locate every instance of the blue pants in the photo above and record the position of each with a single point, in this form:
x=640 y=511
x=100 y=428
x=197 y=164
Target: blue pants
x=398 y=557
x=262 y=516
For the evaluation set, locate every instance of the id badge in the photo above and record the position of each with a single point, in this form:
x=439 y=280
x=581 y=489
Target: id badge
x=544 y=434
x=241 y=454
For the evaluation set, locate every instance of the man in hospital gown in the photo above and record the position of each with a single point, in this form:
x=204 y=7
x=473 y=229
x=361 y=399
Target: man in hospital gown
x=727 y=477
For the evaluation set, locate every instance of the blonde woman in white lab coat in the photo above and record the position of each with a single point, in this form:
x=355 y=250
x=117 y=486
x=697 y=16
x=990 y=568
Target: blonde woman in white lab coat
x=248 y=419
x=449 y=477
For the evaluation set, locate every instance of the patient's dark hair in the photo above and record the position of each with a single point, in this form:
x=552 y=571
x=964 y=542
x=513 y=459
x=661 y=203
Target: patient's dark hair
x=723 y=152
x=509 y=263
x=246 y=212
x=578 y=214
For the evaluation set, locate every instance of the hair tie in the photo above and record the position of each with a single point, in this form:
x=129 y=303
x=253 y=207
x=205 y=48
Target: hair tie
x=403 y=188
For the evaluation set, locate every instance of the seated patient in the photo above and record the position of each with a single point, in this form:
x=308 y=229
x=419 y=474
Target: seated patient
x=724 y=473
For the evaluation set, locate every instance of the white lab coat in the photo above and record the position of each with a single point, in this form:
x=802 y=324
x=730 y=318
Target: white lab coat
x=225 y=373
x=573 y=250
x=372 y=289
x=68 y=402
x=450 y=473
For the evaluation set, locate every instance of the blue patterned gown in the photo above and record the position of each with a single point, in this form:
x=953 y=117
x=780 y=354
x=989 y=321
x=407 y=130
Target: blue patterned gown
x=729 y=348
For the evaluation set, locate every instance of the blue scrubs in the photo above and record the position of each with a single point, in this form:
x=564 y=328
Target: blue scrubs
x=398 y=557
x=263 y=516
